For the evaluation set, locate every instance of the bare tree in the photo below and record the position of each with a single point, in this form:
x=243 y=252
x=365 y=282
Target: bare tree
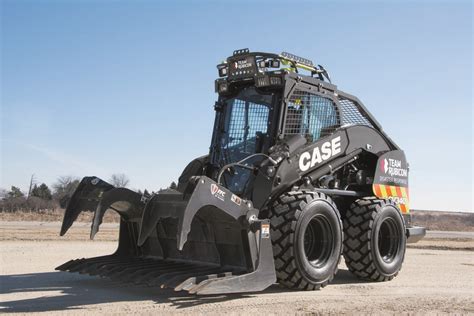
x=63 y=189
x=32 y=183
x=65 y=184
x=119 y=180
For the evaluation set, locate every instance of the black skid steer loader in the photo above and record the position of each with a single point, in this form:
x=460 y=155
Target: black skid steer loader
x=298 y=174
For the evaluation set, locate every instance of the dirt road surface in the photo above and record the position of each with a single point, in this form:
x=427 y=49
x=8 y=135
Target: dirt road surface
x=431 y=281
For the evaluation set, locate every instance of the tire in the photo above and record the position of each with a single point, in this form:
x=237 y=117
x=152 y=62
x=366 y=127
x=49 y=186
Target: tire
x=306 y=232
x=374 y=239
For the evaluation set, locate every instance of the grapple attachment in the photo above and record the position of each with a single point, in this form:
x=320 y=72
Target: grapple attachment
x=207 y=242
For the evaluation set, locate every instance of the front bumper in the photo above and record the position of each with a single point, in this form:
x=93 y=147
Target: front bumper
x=415 y=233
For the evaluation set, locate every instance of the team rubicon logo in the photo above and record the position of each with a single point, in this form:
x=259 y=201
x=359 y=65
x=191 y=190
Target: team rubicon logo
x=393 y=167
x=242 y=64
x=384 y=165
x=217 y=192
x=320 y=153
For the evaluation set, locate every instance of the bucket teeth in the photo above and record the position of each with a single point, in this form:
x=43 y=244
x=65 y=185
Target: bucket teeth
x=136 y=275
x=190 y=283
x=65 y=266
x=147 y=278
x=123 y=272
x=175 y=281
x=186 y=276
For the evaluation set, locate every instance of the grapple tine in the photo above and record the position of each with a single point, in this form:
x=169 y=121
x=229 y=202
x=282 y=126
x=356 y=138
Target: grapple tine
x=162 y=279
x=101 y=268
x=192 y=282
x=85 y=198
x=147 y=276
x=121 y=272
x=108 y=270
x=65 y=266
x=124 y=201
x=89 y=265
x=186 y=284
x=211 y=278
x=156 y=278
x=135 y=270
x=134 y=274
x=180 y=278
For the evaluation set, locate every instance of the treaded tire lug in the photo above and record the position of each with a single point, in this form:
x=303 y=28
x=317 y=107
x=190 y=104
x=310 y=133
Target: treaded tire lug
x=360 y=255
x=285 y=214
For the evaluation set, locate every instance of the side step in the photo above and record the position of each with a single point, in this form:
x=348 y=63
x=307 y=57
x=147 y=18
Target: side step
x=178 y=275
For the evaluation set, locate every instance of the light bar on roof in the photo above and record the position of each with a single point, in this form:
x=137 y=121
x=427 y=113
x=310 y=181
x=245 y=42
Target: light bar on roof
x=297 y=59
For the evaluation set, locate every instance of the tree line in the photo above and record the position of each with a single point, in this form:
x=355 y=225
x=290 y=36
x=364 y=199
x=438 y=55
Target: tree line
x=42 y=197
x=39 y=197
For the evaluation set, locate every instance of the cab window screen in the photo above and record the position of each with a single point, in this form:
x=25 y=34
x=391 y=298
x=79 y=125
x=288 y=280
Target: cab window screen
x=246 y=120
x=243 y=130
x=310 y=115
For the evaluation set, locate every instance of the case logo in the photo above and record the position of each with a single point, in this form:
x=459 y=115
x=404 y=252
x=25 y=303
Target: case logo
x=324 y=152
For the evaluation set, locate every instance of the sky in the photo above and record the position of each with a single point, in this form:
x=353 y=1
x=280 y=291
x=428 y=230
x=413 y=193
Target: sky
x=104 y=87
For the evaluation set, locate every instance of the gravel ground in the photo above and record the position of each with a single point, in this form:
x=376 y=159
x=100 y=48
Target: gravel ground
x=431 y=281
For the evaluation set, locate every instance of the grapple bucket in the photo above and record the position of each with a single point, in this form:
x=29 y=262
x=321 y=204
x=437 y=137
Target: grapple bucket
x=207 y=242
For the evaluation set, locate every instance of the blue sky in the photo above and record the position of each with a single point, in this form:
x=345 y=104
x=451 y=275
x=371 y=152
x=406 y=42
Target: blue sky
x=103 y=87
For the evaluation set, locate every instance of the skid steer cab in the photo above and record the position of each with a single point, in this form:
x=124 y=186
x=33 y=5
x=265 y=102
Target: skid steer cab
x=299 y=173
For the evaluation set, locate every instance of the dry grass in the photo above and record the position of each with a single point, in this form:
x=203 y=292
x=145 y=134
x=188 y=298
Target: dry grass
x=48 y=233
x=55 y=216
x=465 y=244
x=432 y=220
x=447 y=221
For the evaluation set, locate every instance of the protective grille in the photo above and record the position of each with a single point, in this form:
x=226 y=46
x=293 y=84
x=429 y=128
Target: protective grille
x=245 y=121
x=310 y=115
x=351 y=115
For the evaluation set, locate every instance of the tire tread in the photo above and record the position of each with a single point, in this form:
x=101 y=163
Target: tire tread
x=284 y=215
x=358 y=225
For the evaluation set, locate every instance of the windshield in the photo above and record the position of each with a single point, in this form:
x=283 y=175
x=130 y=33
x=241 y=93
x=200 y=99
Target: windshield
x=244 y=128
x=247 y=118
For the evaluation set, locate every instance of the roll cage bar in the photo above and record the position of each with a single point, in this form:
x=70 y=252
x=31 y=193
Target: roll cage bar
x=264 y=60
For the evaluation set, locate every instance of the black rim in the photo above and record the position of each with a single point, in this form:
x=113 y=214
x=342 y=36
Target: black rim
x=389 y=239
x=318 y=241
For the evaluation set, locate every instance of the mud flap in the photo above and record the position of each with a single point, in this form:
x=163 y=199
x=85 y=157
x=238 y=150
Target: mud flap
x=210 y=242
x=391 y=179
